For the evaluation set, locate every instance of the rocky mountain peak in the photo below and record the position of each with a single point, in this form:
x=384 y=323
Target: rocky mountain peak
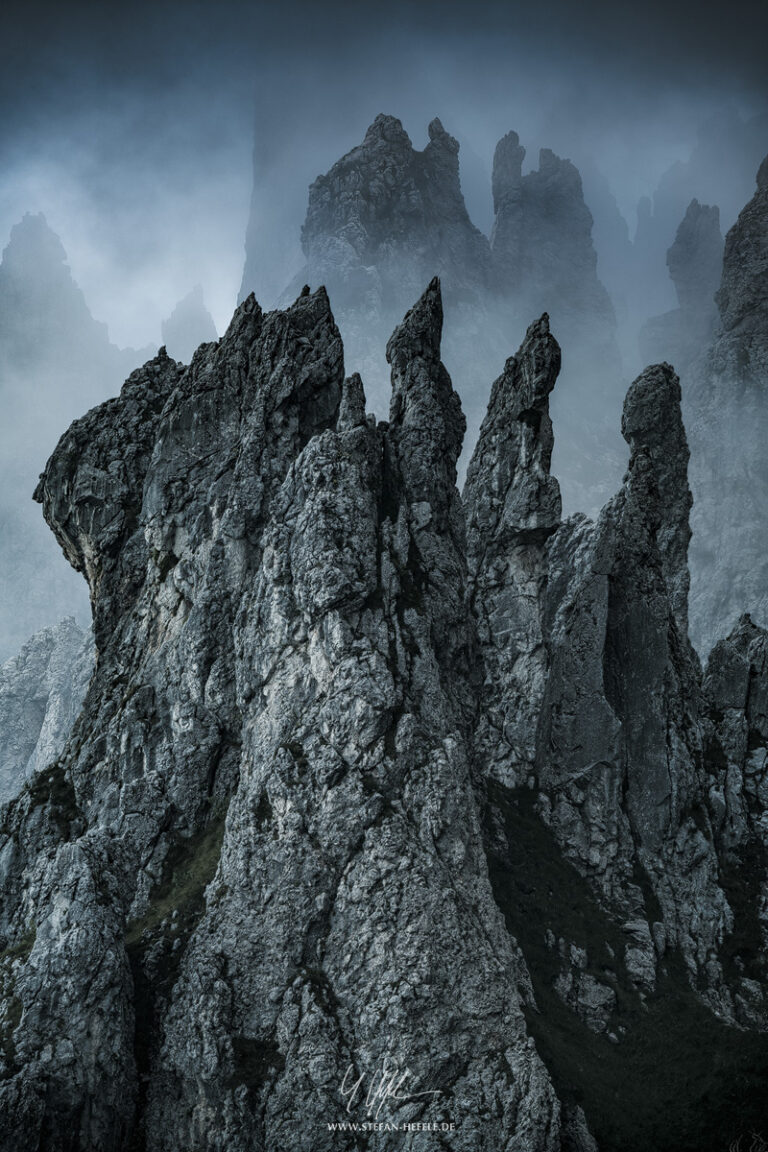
x=34 y=249
x=426 y=420
x=340 y=716
x=696 y=256
x=542 y=236
x=554 y=167
x=438 y=135
x=43 y=313
x=727 y=420
x=652 y=425
x=742 y=298
x=386 y=130
x=41 y=693
x=419 y=334
x=509 y=494
x=695 y=262
x=386 y=203
x=507 y=169
x=56 y=361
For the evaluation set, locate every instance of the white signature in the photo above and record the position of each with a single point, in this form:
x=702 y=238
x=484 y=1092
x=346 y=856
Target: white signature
x=388 y=1084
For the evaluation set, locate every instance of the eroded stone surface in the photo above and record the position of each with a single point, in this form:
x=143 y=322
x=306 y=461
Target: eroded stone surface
x=367 y=772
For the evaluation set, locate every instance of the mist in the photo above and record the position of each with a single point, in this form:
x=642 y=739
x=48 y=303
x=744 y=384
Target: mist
x=137 y=134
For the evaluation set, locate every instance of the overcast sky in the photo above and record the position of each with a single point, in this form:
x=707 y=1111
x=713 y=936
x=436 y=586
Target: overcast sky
x=132 y=126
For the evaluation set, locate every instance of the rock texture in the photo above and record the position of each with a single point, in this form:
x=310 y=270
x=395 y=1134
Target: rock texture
x=513 y=506
x=727 y=416
x=695 y=263
x=370 y=777
x=188 y=326
x=55 y=361
x=41 y=693
x=599 y=744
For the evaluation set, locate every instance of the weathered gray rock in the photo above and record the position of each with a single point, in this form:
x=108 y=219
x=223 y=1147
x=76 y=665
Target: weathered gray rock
x=615 y=785
x=41 y=692
x=282 y=632
x=380 y=224
x=696 y=257
x=616 y=776
x=736 y=758
x=337 y=797
x=720 y=170
x=396 y=209
x=386 y=218
x=513 y=506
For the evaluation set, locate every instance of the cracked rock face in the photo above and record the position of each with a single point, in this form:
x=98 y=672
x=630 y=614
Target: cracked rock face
x=612 y=738
x=380 y=224
x=368 y=773
x=281 y=711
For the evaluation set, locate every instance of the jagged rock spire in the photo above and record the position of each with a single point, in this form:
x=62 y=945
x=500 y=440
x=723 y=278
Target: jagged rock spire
x=507 y=173
x=512 y=505
x=727 y=420
x=695 y=264
x=541 y=244
x=652 y=425
x=742 y=298
x=426 y=419
x=331 y=746
x=509 y=492
x=695 y=259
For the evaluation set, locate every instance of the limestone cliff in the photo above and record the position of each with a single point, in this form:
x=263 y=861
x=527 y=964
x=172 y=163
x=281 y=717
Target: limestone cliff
x=371 y=780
